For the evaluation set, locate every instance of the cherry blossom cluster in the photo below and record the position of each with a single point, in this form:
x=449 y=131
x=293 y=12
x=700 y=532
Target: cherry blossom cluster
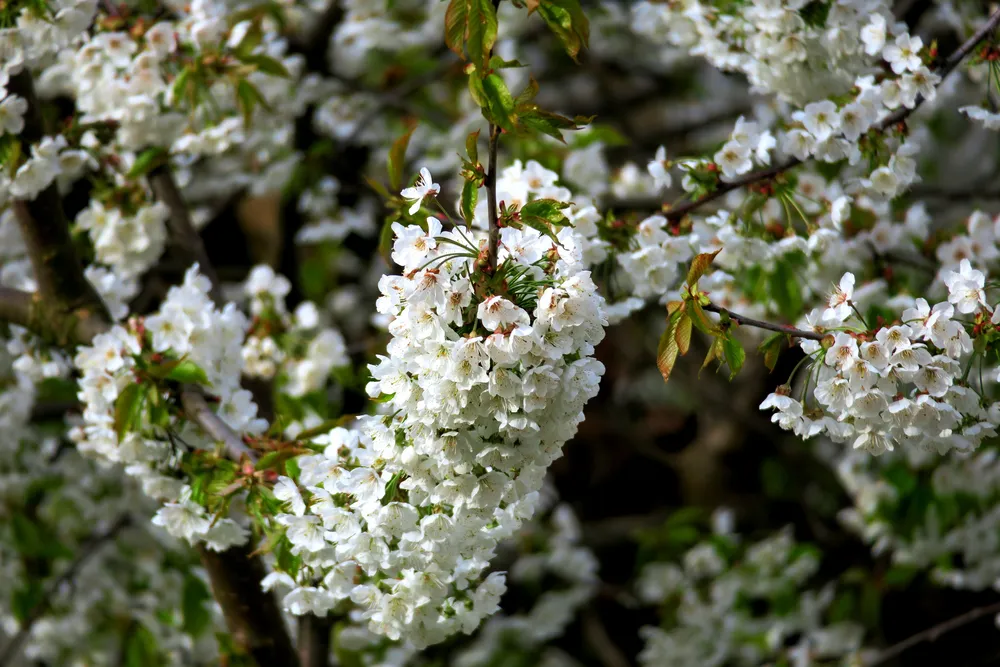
x=726 y=602
x=486 y=382
x=187 y=329
x=903 y=384
x=297 y=345
x=928 y=512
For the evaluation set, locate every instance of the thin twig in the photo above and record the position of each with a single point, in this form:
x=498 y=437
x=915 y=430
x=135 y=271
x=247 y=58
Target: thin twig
x=491 y=201
x=87 y=549
x=197 y=410
x=934 y=633
x=760 y=324
x=184 y=240
x=679 y=211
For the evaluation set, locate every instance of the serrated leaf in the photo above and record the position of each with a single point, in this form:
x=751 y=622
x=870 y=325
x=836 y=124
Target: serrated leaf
x=714 y=352
x=128 y=408
x=667 y=350
x=397 y=159
x=266 y=64
x=569 y=23
x=148 y=160
x=545 y=122
x=499 y=107
x=470 y=197
x=472 y=146
x=528 y=93
x=701 y=320
x=699 y=265
x=470 y=29
x=379 y=189
x=771 y=349
x=248 y=97
x=549 y=210
x=496 y=62
x=735 y=355
x=682 y=333
x=188 y=372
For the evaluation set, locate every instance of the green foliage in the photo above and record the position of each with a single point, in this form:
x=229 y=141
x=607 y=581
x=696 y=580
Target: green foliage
x=567 y=21
x=470 y=30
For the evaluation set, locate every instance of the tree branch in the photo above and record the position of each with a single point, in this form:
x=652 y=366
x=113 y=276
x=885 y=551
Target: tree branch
x=43 y=223
x=252 y=616
x=901 y=114
x=87 y=549
x=314 y=640
x=183 y=240
x=491 y=201
x=760 y=324
x=197 y=410
x=934 y=633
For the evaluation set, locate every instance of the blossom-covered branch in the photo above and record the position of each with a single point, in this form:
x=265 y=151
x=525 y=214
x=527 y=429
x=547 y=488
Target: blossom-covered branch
x=760 y=324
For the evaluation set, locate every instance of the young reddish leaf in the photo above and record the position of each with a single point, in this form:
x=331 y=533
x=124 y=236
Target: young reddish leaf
x=397 y=158
x=701 y=320
x=472 y=146
x=699 y=265
x=666 y=353
x=771 y=349
x=682 y=333
x=714 y=352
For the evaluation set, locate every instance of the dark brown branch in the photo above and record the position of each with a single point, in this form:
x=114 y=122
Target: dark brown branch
x=934 y=633
x=901 y=114
x=491 y=201
x=48 y=319
x=183 y=240
x=252 y=616
x=87 y=549
x=197 y=410
x=314 y=640
x=760 y=324
x=43 y=222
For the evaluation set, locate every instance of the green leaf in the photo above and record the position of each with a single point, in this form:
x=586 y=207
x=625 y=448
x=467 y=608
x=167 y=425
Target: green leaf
x=472 y=146
x=179 y=88
x=140 y=648
x=566 y=19
x=499 y=107
x=251 y=40
x=194 y=595
x=385 y=242
x=147 y=161
x=735 y=355
x=549 y=210
x=714 y=352
x=470 y=29
x=771 y=348
x=397 y=159
x=247 y=98
x=528 y=93
x=266 y=64
x=544 y=122
x=699 y=265
x=496 y=62
x=128 y=408
x=786 y=291
x=28 y=595
x=701 y=320
x=470 y=197
x=188 y=372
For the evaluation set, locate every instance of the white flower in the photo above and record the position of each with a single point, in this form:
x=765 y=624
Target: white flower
x=12 y=110
x=965 y=288
x=424 y=187
x=904 y=54
x=733 y=159
x=839 y=303
x=658 y=169
x=873 y=35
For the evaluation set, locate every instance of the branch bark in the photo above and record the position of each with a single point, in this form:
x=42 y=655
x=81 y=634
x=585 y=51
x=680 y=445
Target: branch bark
x=314 y=640
x=183 y=240
x=197 y=410
x=901 y=114
x=761 y=324
x=87 y=549
x=252 y=615
x=491 y=201
x=934 y=633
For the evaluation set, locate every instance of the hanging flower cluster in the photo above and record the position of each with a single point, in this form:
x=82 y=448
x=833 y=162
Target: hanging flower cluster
x=486 y=376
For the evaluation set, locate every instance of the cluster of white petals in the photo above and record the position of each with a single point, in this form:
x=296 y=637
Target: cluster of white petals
x=188 y=328
x=403 y=515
